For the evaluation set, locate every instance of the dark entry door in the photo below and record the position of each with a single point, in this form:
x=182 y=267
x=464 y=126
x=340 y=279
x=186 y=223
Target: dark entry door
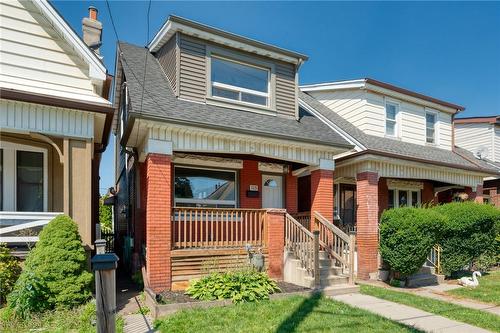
x=348 y=205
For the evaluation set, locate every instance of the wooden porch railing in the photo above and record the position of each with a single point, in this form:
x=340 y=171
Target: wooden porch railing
x=23 y=227
x=434 y=258
x=339 y=245
x=218 y=228
x=303 y=244
x=304 y=218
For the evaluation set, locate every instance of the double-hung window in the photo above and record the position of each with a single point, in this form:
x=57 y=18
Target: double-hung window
x=23 y=178
x=430 y=127
x=196 y=187
x=240 y=82
x=391 y=113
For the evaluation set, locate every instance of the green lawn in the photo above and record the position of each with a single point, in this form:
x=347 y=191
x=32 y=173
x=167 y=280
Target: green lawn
x=293 y=314
x=80 y=319
x=488 y=290
x=474 y=317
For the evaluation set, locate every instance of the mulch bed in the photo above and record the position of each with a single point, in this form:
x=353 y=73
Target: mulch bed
x=170 y=297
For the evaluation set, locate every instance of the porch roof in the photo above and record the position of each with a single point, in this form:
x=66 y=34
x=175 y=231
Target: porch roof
x=458 y=158
x=160 y=103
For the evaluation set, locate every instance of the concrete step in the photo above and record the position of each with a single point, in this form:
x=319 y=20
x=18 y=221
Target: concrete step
x=341 y=289
x=329 y=281
x=422 y=280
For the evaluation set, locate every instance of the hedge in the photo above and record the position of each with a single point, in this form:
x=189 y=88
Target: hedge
x=407 y=235
x=470 y=232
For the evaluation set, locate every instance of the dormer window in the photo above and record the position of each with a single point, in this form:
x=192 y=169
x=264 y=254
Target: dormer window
x=238 y=81
x=391 y=113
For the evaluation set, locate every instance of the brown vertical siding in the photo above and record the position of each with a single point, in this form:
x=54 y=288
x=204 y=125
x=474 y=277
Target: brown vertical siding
x=192 y=80
x=167 y=58
x=285 y=89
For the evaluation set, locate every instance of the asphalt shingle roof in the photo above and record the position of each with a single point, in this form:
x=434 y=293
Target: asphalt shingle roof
x=160 y=102
x=461 y=158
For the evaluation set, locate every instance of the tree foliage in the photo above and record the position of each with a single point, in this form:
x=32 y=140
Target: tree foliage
x=105 y=215
x=55 y=272
x=9 y=271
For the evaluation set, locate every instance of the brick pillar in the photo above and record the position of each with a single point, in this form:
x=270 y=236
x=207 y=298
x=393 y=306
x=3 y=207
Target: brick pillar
x=383 y=196
x=275 y=242
x=367 y=223
x=250 y=175
x=322 y=194
x=158 y=224
x=494 y=197
x=291 y=193
x=479 y=194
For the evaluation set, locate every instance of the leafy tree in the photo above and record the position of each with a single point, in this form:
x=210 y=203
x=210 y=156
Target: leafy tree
x=105 y=215
x=9 y=271
x=55 y=272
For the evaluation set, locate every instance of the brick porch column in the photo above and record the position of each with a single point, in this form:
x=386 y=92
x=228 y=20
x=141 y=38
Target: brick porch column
x=158 y=223
x=428 y=193
x=479 y=194
x=291 y=194
x=367 y=223
x=275 y=242
x=322 y=200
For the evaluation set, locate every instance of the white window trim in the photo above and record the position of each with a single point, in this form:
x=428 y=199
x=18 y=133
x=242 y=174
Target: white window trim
x=221 y=53
x=436 y=127
x=408 y=193
x=204 y=201
x=9 y=173
x=240 y=89
x=397 y=118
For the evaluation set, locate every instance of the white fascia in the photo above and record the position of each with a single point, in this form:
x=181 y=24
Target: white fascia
x=337 y=85
x=97 y=71
x=170 y=28
x=357 y=145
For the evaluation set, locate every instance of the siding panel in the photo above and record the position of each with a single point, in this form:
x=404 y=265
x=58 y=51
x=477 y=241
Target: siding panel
x=475 y=136
x=167 y=59
x=192 y=80
x=286 y=90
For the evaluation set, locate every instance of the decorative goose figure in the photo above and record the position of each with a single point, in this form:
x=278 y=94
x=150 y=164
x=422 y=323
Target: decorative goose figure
x=468 y=282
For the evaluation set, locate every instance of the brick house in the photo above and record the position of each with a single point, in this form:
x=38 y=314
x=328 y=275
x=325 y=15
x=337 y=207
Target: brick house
x=405 y=155
x=219 y=150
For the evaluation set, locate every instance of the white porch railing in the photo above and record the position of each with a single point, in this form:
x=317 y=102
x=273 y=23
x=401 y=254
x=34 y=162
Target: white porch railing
x=23 y=227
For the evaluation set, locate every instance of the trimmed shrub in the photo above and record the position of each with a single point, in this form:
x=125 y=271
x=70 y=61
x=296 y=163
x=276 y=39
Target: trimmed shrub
x=240 y=286
x=55 y=272
x=406 y=237
x=9 y=271
x=470 y=232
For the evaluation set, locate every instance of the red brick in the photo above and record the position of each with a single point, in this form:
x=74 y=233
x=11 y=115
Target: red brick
x=250 y=175
x=291 y=202
x=367 y=217
x=275 y=242
x=322 y=194
x=158 y=223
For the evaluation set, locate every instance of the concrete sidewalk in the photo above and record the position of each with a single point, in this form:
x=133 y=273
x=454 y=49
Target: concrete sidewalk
x=407 y=315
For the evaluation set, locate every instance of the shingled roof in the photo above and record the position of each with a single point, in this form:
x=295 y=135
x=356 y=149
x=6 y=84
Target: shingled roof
x=459 y=158
x=160 y=103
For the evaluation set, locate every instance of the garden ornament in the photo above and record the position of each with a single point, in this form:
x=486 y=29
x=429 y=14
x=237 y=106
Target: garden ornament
x=470 y=282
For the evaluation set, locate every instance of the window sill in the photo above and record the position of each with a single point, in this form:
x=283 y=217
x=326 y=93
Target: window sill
x=211 y=100
x=397 y=138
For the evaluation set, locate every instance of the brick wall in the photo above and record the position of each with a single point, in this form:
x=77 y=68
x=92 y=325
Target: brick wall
x=367 y=223
x=322 y=193
x=495 y=197
x=250 y=175
x=479 y=194
x=291 y=189
x=275 y=242
x=158 y=225
x=383 y=196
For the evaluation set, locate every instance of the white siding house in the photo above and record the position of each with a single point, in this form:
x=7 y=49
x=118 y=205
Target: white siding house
x=480 y=136
x=383 y=110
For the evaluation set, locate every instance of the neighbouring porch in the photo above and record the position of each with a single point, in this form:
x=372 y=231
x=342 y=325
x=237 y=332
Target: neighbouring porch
x=43 y=176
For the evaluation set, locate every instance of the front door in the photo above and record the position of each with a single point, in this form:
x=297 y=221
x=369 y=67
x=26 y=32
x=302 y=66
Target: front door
x=272 y=191
x=348 y=205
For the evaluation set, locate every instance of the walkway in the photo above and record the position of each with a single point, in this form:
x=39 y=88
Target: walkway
x=128 y=303
x=406 y=315
x=438 y=292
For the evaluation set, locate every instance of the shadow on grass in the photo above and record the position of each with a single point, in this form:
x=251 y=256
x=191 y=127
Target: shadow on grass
x=291 y=323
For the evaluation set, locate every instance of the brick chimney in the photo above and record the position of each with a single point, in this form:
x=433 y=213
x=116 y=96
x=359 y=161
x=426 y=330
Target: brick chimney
x=92 y=30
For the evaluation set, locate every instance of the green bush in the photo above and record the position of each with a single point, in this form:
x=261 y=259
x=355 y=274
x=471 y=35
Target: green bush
x=470 y=232
x=9 y=271
x=55 y=272
x=240 y=286
x=406 y=237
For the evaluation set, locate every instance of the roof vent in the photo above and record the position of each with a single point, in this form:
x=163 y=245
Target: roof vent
x=481 y=152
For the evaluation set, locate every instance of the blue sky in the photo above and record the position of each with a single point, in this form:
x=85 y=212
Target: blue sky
x=447 y=50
